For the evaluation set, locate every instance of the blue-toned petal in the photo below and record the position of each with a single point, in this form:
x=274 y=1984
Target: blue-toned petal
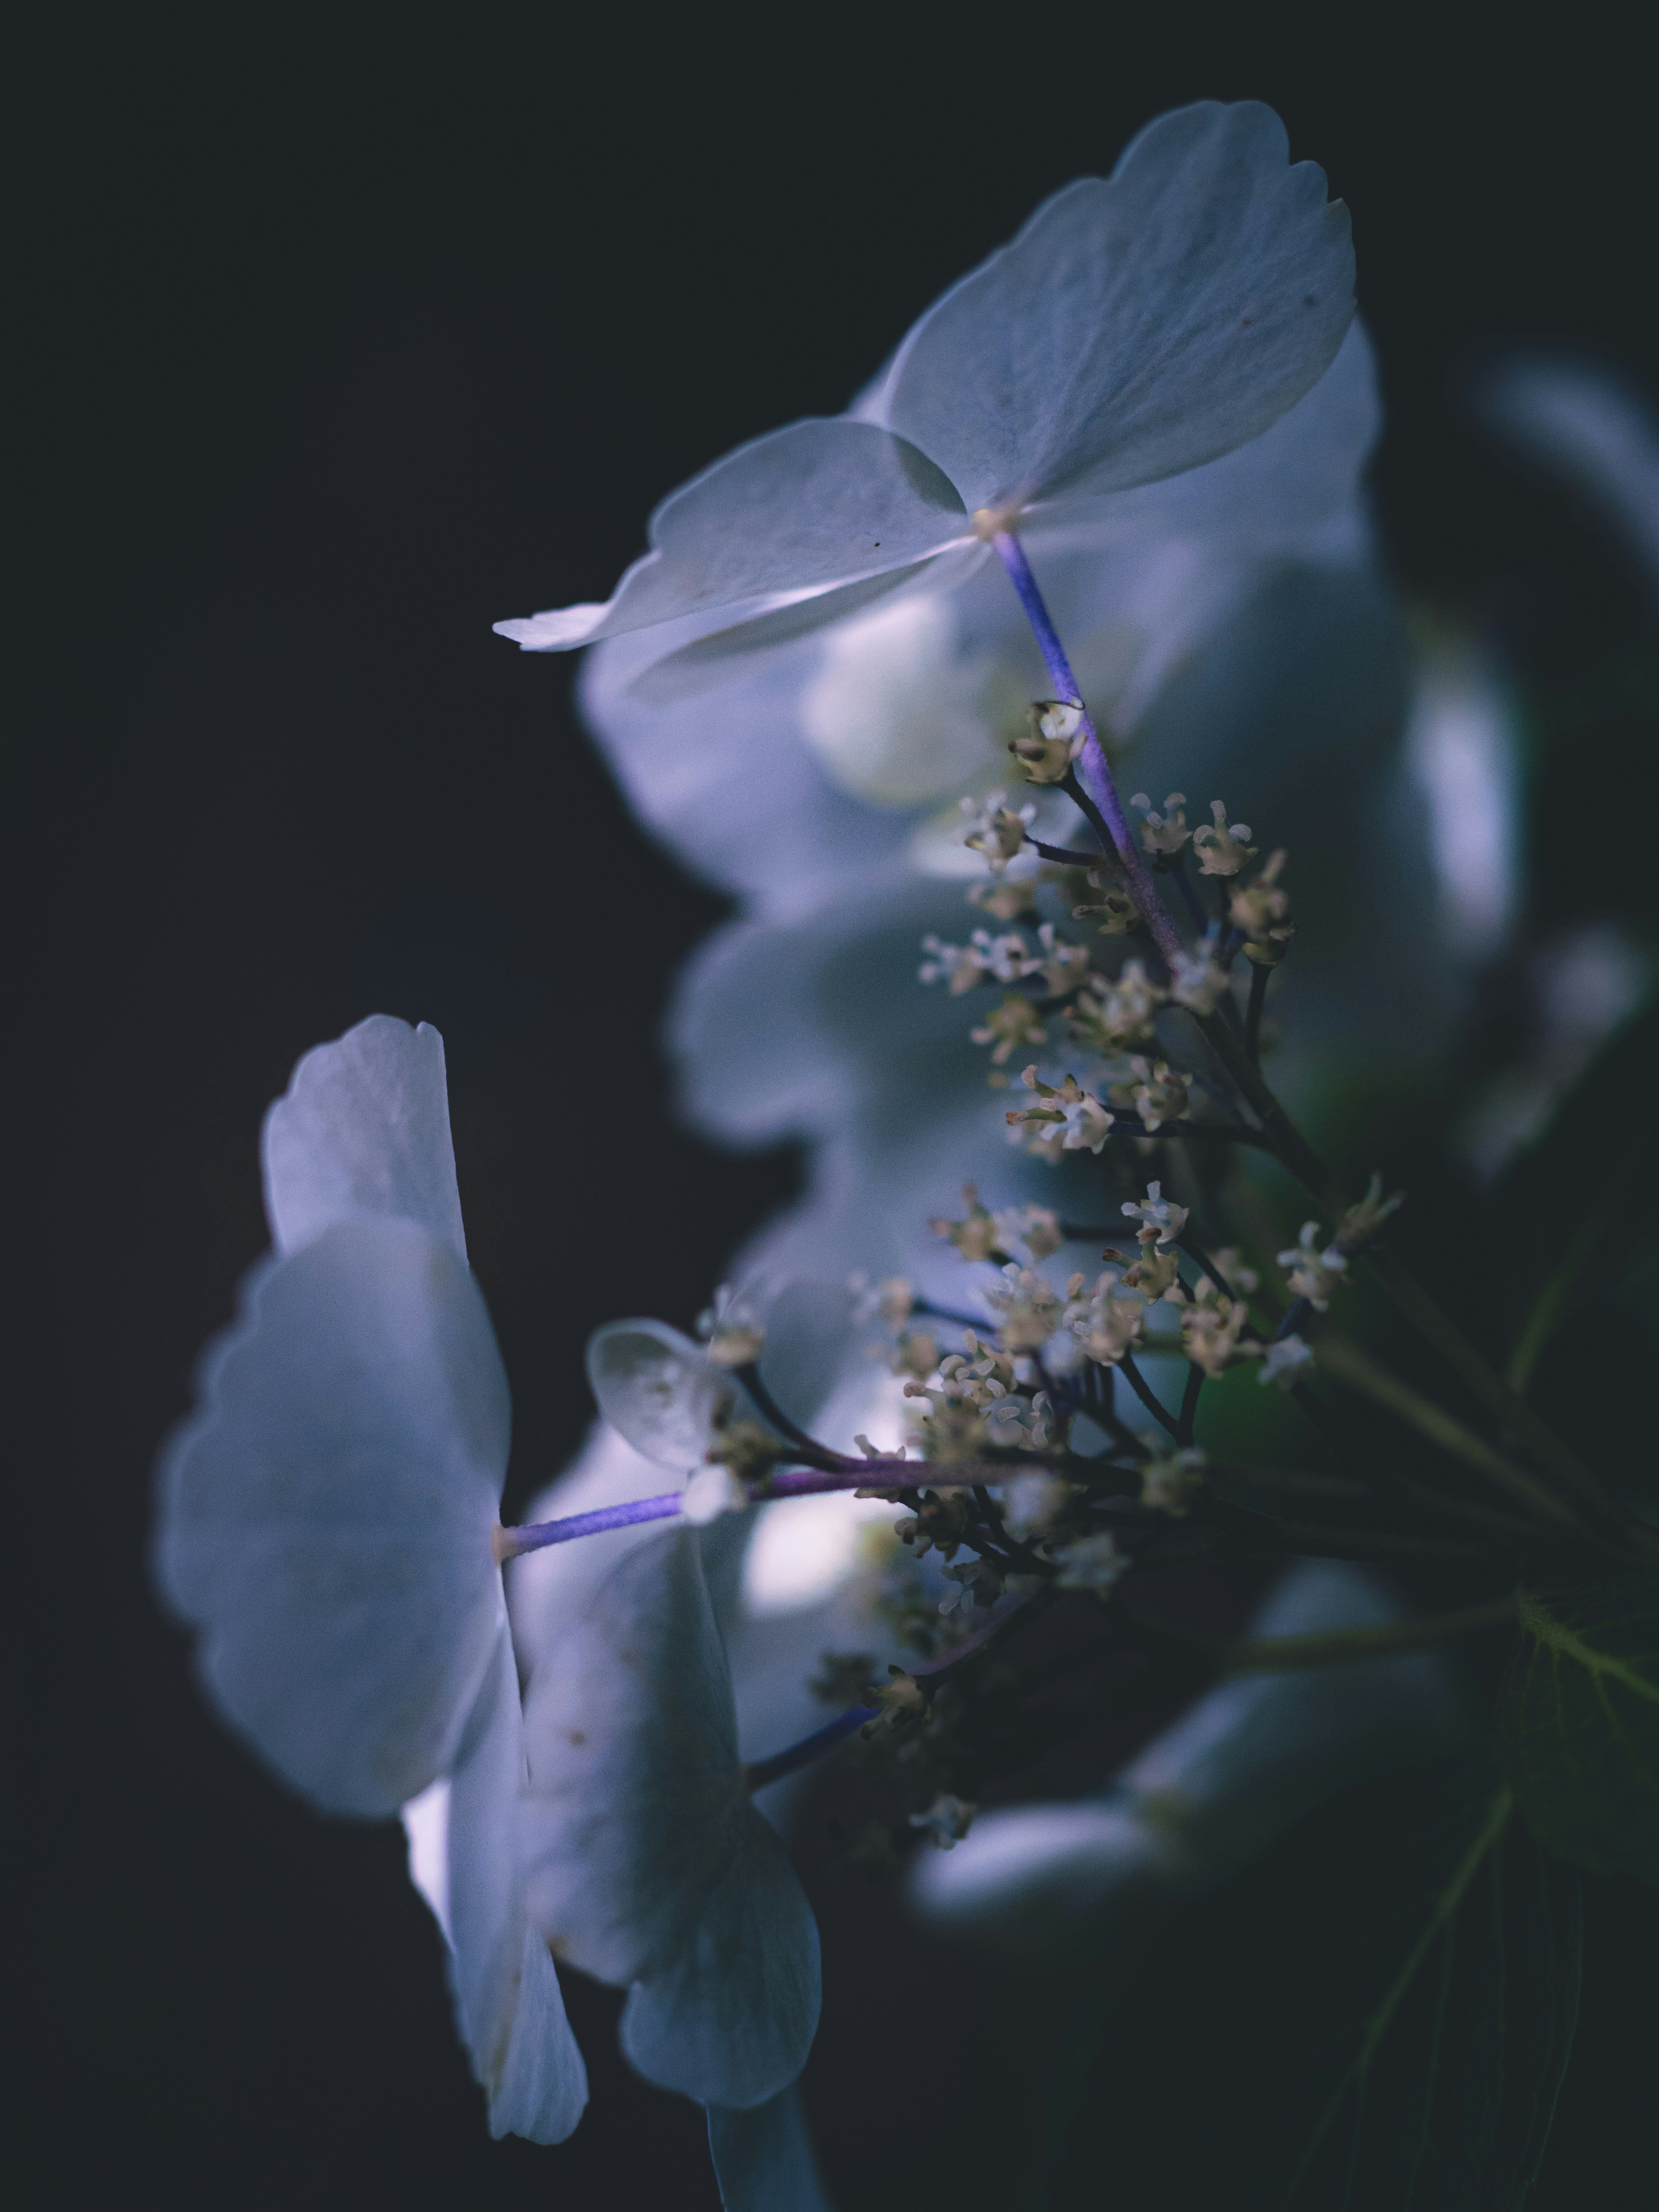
x=764 y=2158
x=361 y=1134
x=820 y=504
x=658 y=1389
x=1138 y=326
x=325 y=1517
x=1233 y=1775
x=645 y=1862
x=1591 y=426
x=507 y=1991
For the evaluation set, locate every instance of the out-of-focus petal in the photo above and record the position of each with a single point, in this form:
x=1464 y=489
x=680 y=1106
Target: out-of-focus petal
x=646 y=1864
x=1228 y=1780
x=361 y=1134
x=657 y=1388
x=820 y=504
x=764 y=2157
x=1136 y=326
x=326 y=1515
x=1592 y=426
x=507 y=1991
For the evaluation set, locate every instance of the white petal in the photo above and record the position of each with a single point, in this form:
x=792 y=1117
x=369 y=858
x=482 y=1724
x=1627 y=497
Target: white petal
x=325 y=1517
x=657 y=1388
x=764 y=2158
x=512 y=2015
x=710 y=661
x=1138 y=327
x=362 y=1133
x=645 y=1862
x=819 y=504
x=1232 y=1776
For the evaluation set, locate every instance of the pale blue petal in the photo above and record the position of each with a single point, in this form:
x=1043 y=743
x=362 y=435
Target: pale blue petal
x=764 y=2158
x=708 y=663
x=512 y=2015
x=1591 y=426
x=1138 y=326
x=326 y=1515
x=657 y=1388
x=1233 y=1775
x=820 y=504
x=646 y=1864
x=361 y=1134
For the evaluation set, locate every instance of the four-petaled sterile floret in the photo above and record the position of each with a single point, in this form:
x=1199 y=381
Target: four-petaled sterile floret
x=1160 y=1216
x=1166 y=832
x=1314 y=1274
x=1222 y=851
x=1093 y=1563
x=996 y=829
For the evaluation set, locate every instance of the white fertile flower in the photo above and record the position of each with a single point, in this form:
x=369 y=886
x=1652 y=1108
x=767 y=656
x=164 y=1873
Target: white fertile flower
x=1312 y=1274
x=1288 y=1362
x=1135 y=329
x=1160 y=1217
x=327 y=1517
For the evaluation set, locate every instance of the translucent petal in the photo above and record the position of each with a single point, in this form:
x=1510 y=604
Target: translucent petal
x=1138 y=326
x=512 y=2015
x=657 y=1388
x=646 y=1864
x=325 y=1516
x=361 y=1134
x=820 y=504
x=764 y=2158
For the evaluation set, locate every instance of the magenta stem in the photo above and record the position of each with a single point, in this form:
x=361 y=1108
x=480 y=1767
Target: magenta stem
x=1095 y=775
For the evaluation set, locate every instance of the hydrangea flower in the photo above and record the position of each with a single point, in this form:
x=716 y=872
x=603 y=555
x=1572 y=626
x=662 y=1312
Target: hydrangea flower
x=326 y=1523
x=1137 y=328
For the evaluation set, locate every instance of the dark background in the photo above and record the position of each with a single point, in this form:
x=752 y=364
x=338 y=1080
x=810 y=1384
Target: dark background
x=346 y=333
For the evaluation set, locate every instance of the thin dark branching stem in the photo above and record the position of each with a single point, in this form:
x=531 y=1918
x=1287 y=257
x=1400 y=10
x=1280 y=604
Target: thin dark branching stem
x=1258 y=998
x=814 y=1453
x=1148 y=1397
x=1065 y=857
x=1188 y=1412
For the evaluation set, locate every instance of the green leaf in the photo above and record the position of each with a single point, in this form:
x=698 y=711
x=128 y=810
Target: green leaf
x=1376 y=2019
x=1578 y=1723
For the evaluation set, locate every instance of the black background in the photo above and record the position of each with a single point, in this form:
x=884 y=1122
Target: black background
x=345 y=334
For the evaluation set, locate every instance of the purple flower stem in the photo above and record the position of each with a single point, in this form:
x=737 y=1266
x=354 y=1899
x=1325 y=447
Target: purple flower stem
x=810 y=1748
x=1091 y=762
